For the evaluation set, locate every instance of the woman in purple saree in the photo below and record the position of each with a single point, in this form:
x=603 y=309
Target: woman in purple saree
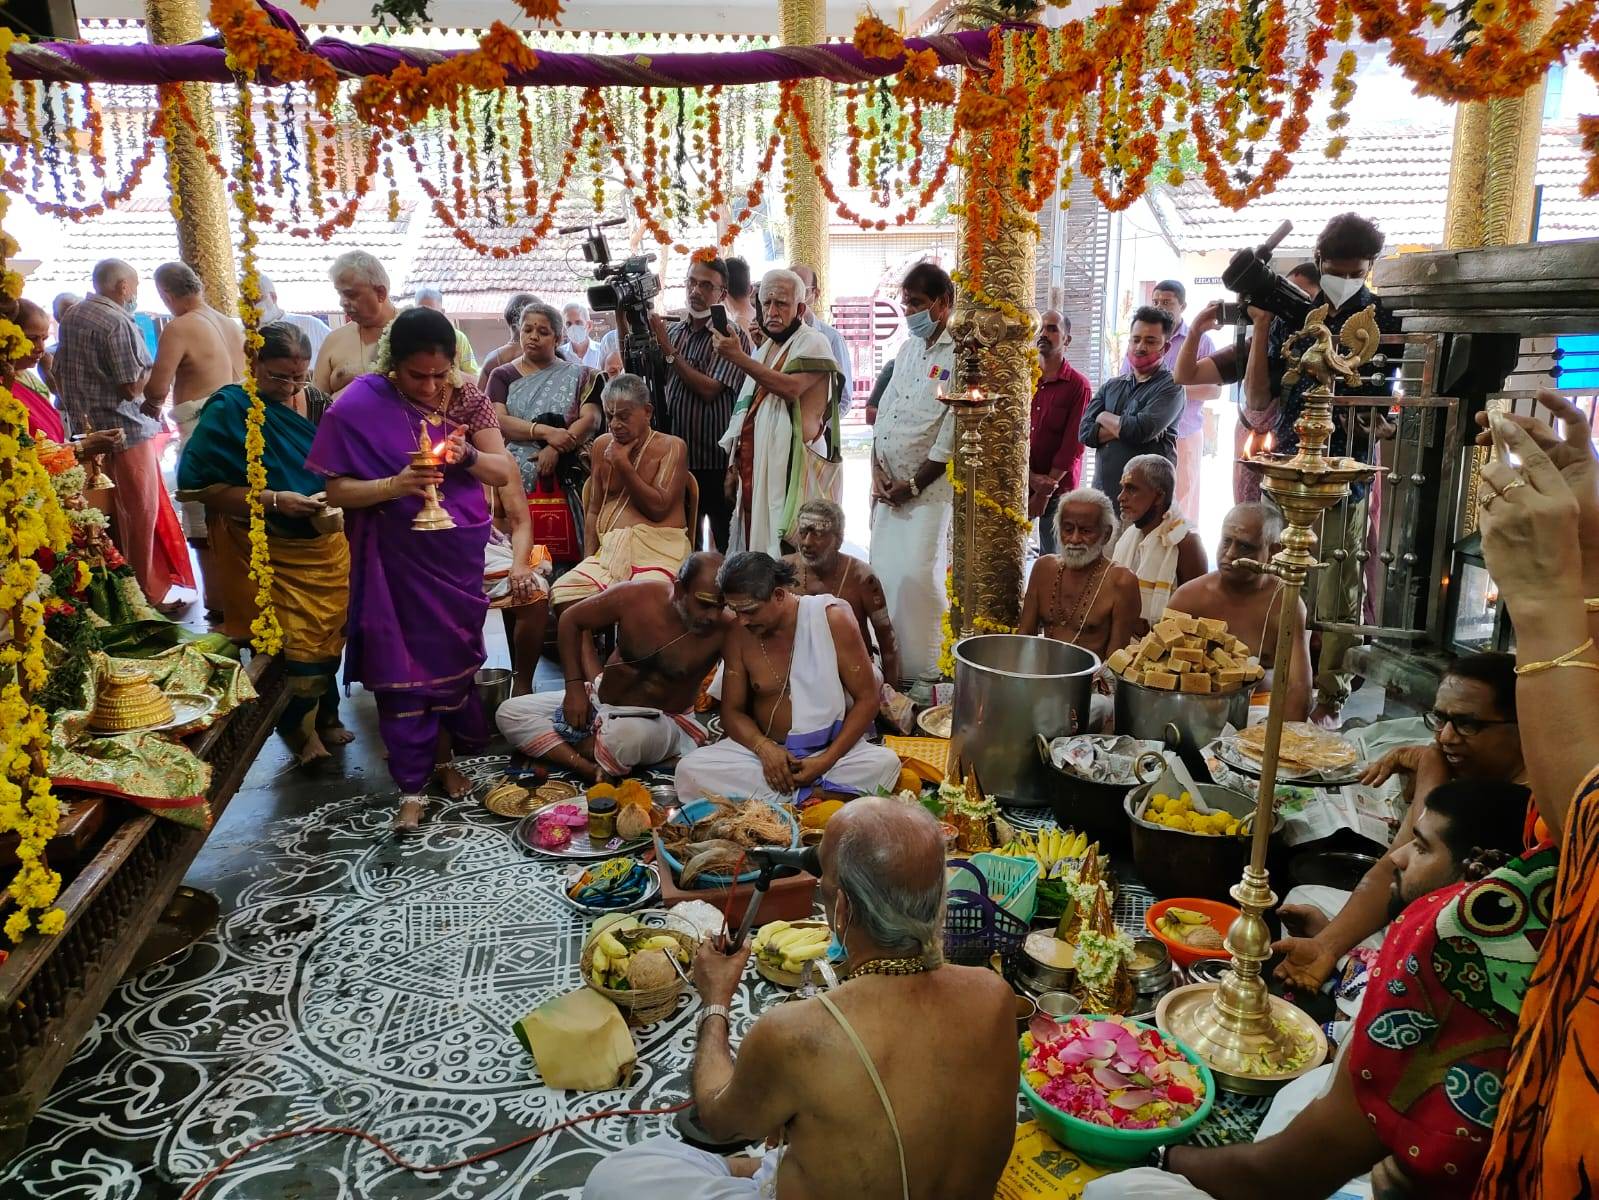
x=416 y=598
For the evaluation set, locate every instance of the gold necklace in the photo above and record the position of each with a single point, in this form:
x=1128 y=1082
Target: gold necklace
x=772 y=717
x=911 y=964
x=1104 y=569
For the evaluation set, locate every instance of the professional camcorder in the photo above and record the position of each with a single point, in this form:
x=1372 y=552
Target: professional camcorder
x=1250 y=275
x=626 y=288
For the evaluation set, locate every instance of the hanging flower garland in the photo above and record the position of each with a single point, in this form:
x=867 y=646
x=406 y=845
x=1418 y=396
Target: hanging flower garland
x=266 y=633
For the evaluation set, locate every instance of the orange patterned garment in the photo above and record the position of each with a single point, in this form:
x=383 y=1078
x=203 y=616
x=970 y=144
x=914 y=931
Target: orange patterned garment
x=1544 y=1146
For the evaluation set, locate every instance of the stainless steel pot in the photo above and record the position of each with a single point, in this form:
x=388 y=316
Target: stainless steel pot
x=1183 y=720
x=1009 y=690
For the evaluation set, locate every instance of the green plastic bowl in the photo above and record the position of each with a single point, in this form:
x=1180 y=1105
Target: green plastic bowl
x=1117 y=1147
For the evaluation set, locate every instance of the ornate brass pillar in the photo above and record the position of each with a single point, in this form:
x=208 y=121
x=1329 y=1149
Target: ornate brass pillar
x=1008 y=363
x=1494 y=165
x=804 y=23
x=203 y=240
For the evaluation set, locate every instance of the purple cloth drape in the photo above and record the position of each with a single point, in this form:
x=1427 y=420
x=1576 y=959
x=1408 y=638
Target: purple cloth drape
x=204 y=61
x=416 y=599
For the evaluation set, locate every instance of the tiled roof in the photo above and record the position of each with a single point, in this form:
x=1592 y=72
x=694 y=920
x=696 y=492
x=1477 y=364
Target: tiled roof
x=141 y=232
x=1399 y=179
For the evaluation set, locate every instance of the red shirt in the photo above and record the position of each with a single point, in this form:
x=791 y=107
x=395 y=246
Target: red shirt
x=1053 y=445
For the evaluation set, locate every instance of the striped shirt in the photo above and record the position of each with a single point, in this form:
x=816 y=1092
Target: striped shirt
x=101 y=349
x=698 y=421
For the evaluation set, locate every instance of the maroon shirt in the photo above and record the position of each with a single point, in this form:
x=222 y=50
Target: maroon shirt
x=1053 y=444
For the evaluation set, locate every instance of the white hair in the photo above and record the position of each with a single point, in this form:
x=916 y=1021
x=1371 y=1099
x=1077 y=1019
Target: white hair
x=783 y=275
x=268 y=288
x=900 y=916
x=1088 y=495
x=1158 y=472
x=361 y=267
x=426 y=294
x=627 y=389
x=582 y=309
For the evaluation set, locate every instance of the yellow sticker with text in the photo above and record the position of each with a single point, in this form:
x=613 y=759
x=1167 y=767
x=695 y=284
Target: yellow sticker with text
x=1040 y=1168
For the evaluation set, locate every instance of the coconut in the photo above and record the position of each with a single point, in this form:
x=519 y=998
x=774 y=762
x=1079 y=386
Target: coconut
x=649 y=969
x=632 y=822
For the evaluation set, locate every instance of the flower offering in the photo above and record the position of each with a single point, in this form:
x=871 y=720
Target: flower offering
x=1113 y=1073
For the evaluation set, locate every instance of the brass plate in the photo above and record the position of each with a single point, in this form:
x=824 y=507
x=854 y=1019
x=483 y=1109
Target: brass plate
x=556 y=791
x=514 y=804
x=1178 y=1015
x=936 y=721
x=188 y=917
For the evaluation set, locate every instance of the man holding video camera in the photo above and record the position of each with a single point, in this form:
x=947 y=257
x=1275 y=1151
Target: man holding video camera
x=1346 y=248
x=701 y=387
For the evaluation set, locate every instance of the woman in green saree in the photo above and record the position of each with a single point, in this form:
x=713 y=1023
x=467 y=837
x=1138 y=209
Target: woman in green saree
x=310 y=557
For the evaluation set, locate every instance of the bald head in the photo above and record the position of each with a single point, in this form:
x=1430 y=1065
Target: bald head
x=115 y=280
x=1054 y=333
x=884 y=859
x=1248 y=531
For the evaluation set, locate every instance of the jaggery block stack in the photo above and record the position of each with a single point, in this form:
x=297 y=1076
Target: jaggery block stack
x=1187 y=654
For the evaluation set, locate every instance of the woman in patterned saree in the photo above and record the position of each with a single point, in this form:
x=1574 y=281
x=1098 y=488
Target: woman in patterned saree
x=310 y=557
x=416 y=597
x=549 y=411
x=1540 y=531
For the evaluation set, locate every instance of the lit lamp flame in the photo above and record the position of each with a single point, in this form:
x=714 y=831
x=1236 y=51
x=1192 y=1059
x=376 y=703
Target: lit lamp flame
x=438 y=449
x=1266 y=445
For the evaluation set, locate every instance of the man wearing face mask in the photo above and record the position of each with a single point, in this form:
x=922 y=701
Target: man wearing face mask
x=1345 y=251
x=701 y=388
x=578 y=347
x=1136 y=412
x=783 y=440
x=912 y=442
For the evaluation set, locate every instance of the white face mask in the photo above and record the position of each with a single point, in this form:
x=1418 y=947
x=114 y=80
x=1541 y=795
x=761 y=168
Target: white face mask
x=1339 y=290
x=577 y=335
x=699 y=314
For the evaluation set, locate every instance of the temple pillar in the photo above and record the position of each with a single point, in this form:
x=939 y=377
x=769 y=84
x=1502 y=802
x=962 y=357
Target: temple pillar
x=988 y=563
x=804 y=23
x=203 y=232
x=1494 y=164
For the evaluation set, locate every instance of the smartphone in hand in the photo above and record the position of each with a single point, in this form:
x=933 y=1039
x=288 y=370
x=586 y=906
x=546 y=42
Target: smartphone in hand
x=719 y=320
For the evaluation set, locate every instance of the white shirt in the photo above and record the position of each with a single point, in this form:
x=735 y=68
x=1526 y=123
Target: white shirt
x=913 y=425
x=592 y=356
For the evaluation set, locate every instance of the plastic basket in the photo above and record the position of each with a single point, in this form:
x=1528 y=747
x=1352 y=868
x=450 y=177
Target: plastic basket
x=1012 y=882
x=975 y=928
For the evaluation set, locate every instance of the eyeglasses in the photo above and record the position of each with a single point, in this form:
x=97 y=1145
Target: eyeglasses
x=292 y=380
x=1465 y=726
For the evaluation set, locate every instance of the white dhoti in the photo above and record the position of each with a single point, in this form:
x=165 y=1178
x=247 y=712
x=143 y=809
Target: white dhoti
x=728 y=769
x=910 y=555
x=625 y=736
x=186 y=416
x=818 y=705
x=665 y=1169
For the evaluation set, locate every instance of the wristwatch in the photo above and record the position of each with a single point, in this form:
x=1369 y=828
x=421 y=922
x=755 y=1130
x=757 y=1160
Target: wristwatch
x=915 y=491
x=713 y=1010
x=1157 y=1158
x=671 y=360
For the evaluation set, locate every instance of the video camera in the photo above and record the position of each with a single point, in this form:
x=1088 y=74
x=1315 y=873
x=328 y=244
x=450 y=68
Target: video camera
x=1250 y=275
x=626 y=288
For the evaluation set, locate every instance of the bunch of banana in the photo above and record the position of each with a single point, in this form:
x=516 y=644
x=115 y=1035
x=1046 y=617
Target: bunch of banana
x=1058 y=851
x=616 y=945
x=786 y=947
x=1190 y=928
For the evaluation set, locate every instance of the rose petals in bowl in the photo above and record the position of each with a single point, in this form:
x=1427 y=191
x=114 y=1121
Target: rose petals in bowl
x=1113 y=1089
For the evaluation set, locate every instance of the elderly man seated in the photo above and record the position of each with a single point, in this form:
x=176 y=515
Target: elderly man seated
x=1252 y=603
x=1478 y=741
x=854 y=1087
x=1160 y=548
x=1413 y=1093
x=635 y=523
x=641 y=710
x=825 y=570
x=1078 y=595
x=798 y=695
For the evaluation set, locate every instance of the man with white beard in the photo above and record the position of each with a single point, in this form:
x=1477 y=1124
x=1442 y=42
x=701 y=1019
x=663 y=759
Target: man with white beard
x=1078 y=595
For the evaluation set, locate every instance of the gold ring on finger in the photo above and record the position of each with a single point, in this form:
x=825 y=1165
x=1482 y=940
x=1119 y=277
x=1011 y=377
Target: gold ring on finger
x=1512 y=486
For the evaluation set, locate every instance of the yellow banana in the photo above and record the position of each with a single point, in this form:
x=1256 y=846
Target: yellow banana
x=599 y=963
x=607 y=945
x=1188 y=916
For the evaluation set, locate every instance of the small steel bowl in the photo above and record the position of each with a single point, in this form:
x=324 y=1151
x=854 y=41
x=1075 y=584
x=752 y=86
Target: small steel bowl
x=1153 y=978
x=1063 y=1006
x=1026 y=1010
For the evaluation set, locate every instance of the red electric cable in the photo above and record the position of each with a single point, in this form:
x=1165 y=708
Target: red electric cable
x=373 y=1140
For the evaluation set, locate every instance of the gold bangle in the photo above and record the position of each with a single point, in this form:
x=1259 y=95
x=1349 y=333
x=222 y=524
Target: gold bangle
x=1568 y=659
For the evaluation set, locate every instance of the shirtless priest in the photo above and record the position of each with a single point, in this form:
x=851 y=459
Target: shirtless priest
x=636 y=518
x=825 y=570
x=641 y=710
x=798 y=695
x=1252 y=603
x=1079 y=595
x=805 y=1072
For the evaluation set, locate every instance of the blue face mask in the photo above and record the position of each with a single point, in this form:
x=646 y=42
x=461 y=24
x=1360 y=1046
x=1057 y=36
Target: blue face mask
x=920 y=324
x=835 y=946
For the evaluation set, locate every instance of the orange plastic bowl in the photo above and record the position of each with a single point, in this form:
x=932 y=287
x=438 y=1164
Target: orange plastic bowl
x=1221 y=917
